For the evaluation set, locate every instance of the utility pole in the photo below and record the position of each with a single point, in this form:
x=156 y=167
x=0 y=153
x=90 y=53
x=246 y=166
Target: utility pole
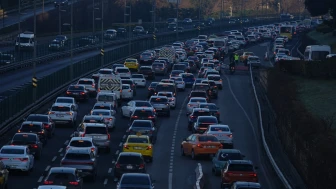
x=34 y=56
x=177 y=19
x=59 y=20
x=154 y=20
x=19 y=25
x=241 y=14
x=199 y=17
x=71 y=45
x=93 y=17
x=102 y=33
x=221 y=14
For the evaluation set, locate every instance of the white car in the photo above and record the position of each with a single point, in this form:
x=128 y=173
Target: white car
x=82 y=142
x=51 y=187
x=194 y=103
x=106 y=97
x=127 y=110
x=223 y=133
x=126 y=92
x=123 y=72
x=182 y=55
x=254 y=61
x=179 y=83
x=108 y=116
x=62 y=113
x=205 y=60
x=139 y=80
x=209 y=54
x=217 y=79
x=67 y=100
x=171 y=98
x=17 y=157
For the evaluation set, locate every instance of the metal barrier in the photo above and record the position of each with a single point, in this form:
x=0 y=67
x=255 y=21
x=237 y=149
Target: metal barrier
x=199 y=177
x=265 y=145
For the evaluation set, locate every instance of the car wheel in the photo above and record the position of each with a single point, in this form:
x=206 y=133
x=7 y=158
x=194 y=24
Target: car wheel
x=182 y=151
x=193 y=156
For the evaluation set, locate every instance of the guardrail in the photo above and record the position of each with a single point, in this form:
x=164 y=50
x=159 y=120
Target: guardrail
x=265 y=145
x=26 y=5
x=199 y=177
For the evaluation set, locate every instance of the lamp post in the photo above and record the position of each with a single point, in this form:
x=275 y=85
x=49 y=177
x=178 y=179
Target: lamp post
x=19 y=25
x=177 y=19
x=60 y=19
x=129 y=27
x=93 y=17
x=102 y=33
x=34 y=52
x=71 y=39
x=199 y=17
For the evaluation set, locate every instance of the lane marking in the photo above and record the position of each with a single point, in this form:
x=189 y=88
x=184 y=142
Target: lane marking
x=47 y=168
x=117 y=152
x=66 y=142
x=54 y=158
x=124 y=135
x=250 y=123
x=120 y=144
x=40 y=179
x=172 y=152
x=60 y=150
x=113 y=162
x=109 y=170
x=105 y=181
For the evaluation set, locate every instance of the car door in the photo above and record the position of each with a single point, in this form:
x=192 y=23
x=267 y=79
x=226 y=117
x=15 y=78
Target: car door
x=188 y=144
x=31 y=158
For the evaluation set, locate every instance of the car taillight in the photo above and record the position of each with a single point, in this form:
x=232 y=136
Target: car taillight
x=150 y=117
x=46 y=126
x=48 y=182
x=74 y=183
x=149 y=88
x=200 y=145
x=83 y=135
x=108 y=136
x=192 y=117
x=218 y=113
x=21 y=159
x=141 y=166
x=82 y=93
x=220 y=146
x=253 y=175
x=126 y=146
x=129 y=90
x=230 y=135
x=117 y=165
x=120 y=90
x=4 y=158
x=51 y=113
x=134 y=117
x=68 y=92
x=108 y=119
x=93 y=85
x=34 y=146
x=149 y=147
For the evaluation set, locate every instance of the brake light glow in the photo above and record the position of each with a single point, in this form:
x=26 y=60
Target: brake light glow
x=82 y=93
x=134 y=117
x=48 y=182
x=4 y=158
x=150 y=117
x=149 y=147
x=117 y=165
x=22 y=159
x=34 y=146
x=200 y=145
x=108 y=136
x=74 y=183
x=69 y=113
x=108 y=119
x=46 y=126
x=51 y=113
x=253 y=175
x=126 y=146
x=141 y=166
x=68 y=92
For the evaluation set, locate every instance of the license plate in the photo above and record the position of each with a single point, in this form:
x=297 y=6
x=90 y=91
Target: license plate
x=59 y=115
x=76 y=93
x=129 y=167
x=13 y=166
x=209 y=146
x=138 y=148
x=79 y=170
x=96 y=137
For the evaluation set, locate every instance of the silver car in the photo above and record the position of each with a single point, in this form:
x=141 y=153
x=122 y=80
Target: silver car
x=159 y=68
x=108 y=116
x=89 y=84
x=223 y=134
x=160 y=104
x=194 y=103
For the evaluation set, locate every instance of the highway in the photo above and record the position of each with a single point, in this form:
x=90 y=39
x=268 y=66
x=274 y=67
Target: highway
x=236 y=102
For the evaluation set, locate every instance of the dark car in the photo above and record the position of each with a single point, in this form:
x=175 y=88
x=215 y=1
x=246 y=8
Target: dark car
x=89 y=40
x=188 y=79
x=56 y=45
x=146 y=58
x=196 y=60
x=182 y=67
x=121 y=32
x=61 y=3
x=147 y=72
x=34 y=127
x=214 y=110
x=64 y=176
x=194 y=115
x=129 y=162
x=172 y=27
x=151 y=89
x=143 y=113
x=28 y=139
x=135 y=180
x=6 y=58
x=48 y=124
x=213 y=92
x=144 y=127
x=203 y=122
x=139 y=30
x=222 y=157
x=61 y=38
x=78 y=92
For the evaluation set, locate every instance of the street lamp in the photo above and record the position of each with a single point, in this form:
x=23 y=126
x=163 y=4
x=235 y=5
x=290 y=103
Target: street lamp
x=199 y=17
x=93 y=17
x=60 y=19
x=102 y=32
x=71 y=41
x=177 y=19
x=129 y=29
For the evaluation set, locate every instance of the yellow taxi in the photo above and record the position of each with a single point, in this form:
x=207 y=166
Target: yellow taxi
x=140 y=144
x=245 y=55
x=132 y=64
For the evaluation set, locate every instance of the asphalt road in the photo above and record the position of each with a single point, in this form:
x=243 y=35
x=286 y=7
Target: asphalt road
x=20 y=77
x=238 y=110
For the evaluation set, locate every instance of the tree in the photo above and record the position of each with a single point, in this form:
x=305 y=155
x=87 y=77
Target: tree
x=317 y=7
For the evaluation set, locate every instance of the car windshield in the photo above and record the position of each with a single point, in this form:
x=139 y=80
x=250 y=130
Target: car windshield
x=85 y=82
x=12 y=151
x=19 y=139
x=30 y=128
x=77 y=156
x=143 y=113
x=146 y=54
x=219 y=129
x=37 y=118
x=158 y=100
x=229 y=156
x=107 y=98
x=76 y=88
x=80 y=143
x=137 y=140
x=60 y=109
x=95 y=130
x=92 y=120
x=241 y=167
x=101 y=113
x=207 y=139
x=207 y=120
x=209 y=106
x=198 y=100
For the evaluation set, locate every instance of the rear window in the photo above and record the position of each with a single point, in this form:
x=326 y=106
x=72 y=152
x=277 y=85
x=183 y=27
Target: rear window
x=229 y=156
x=209 y=106
x=198 y=100
x=64 y=100
x=201 y=113
x=61 y=176
x=122 y=70
x=207 y=120
x=30 y=128
x=143 y=104
x=143 y=113
x=95 y=130
x=125 y=87
x=22 y=138
x=161 y=65
x=137 y=140
x=179 y=67
x=76 y=88
x=201 y=87
x=143 y=124
x=60 y=109
x=145 y=69
x=127 y=81
x=100 y=113
x=153 y=84
x=169 y=88
x=158 y=100
x=85 y=82
x=219 y=129
x=130 y=160
x=101 y=108
x=12 y=151
x=137 y=76
x=38 y=118
x=198 y=94
x=80 y=143
x=77 y=156
x=188 y=76
x=92 y=120
x=215 y=78
x=166 y=94
x=241 y=167
x=107 y=98
x=207 y=139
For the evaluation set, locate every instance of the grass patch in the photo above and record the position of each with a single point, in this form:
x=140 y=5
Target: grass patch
x=324 y=39
x=318 y=96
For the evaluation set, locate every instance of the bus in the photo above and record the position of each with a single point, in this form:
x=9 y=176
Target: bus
x=287 y=31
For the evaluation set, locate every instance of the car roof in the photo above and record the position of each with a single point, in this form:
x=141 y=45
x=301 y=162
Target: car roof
x=249 y=162
x=33 y=134
x=136 y=136
x=212 y=117
x=219 y=125
x=201 y=109
x=100 y=110
x=42 y=115
x=62 y=170
x=247 y=184
x=51 y=187
x=102 y=104
x=65 y=97
x=158 y=96
x=92 y=117
x=229 y=151
x=144 y=121
x=62 y=104
x=129 y=154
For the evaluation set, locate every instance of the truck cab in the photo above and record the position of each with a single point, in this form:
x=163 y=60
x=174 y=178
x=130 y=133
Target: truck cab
x=25 y=41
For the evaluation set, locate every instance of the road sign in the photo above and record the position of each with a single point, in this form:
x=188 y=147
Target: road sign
x=34 y=81
x=154 y=36
x=102 y=52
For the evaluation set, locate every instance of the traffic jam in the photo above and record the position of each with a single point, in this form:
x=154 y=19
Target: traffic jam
x=193 y=68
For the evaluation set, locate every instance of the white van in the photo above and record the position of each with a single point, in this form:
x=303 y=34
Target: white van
x=107 y=97
x=25 y=41
x=316 y=52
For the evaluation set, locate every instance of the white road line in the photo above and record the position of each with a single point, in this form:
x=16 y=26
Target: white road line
x=124 y=136
x=47 y=168
x=117 y=152
x=120 y=144
x=66 y=142
x=40 y=179
x=105 y=181
x=54 y=158
x=113 y=162
x=170 y=173
x=60 y=150
x=109 y=170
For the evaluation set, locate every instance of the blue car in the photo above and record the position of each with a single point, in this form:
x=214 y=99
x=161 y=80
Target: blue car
x=188 y=79
x=222 y=156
